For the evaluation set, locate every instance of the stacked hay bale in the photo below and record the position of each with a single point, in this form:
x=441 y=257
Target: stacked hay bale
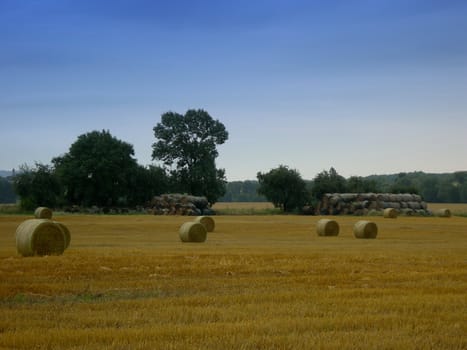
x=326 y=227
x=42 y=236
x=180 y=204
x=364 y=203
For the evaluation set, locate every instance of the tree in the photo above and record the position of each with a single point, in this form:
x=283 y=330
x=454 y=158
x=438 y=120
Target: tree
x=430 y=188
x=328 y=182
x=460 y=182
x=284 y=187
x=358 y=184
x=146 y=183
x=38 y=186
x=186 y=144
x=7 y=192
x=404 y=184
x=97 y=170
x=449 y=190
x=242 y=191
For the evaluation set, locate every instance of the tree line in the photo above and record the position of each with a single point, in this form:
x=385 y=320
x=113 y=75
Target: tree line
x=438 y=188
x=100 y=170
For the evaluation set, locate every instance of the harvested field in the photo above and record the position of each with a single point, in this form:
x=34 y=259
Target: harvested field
x=242 y=205
x=455 y=208
x=259 y=282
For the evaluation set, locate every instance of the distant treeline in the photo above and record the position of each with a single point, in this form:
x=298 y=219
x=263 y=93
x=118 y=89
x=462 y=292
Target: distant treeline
x=242 y=191
x=7 y=193
x=439 y=188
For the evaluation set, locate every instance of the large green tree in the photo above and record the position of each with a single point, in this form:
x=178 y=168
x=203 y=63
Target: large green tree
x=284 y=187
x=97 y=170
x=146 y=183
x=187 y=146
x=328 y=182
x=37 y=186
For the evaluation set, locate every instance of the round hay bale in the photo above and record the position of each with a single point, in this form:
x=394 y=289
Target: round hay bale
x=66 y=233
x=365 y=229
x=348 y=197
x=327 y=227
x=43 y=213
x=390 y=213
x=406 y=197
x=192 y=231
x=207 y=222
x=335 y=198
x=39 y=237
x=383 y=197
x=443 y=213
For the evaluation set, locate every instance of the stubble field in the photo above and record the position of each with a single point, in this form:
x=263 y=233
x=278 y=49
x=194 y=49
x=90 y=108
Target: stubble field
x=258 y=282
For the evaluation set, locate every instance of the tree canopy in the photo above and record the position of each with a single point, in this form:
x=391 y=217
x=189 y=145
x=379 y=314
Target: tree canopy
x=187 y=146
x=358 y=184
x=284 y=187
x=37 y=186
x=328 y=182
x=97 y=170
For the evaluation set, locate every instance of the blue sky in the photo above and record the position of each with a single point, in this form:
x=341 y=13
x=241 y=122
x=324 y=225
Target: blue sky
x=367 y=87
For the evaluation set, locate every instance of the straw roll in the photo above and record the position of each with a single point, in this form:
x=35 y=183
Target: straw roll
x=207 y=222
x=390 y=213
x=39 y=237
x=327 y=227
x=444 y=213
x=66 y=233
x=43 y=213
x=192 y=232
x=365 y=229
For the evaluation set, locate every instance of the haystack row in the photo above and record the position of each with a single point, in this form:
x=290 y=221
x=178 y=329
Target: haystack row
x=180 y=204
x=368 y=203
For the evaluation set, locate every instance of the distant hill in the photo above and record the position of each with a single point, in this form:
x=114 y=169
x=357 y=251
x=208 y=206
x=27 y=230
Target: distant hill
x=438 y=188
x=7 y=193
x=5 y=173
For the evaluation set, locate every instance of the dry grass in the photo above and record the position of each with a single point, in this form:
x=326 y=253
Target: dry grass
x=261 y=282
x=243 y=205
x=455 y=208
x=245 y=208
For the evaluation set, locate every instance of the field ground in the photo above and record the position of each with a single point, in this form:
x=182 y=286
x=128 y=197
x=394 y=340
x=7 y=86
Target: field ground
x=243 y=205
x=258 y=282
x=456 y=208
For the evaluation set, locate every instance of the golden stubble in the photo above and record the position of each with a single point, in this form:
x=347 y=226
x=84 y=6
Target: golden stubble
x=258 y=282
